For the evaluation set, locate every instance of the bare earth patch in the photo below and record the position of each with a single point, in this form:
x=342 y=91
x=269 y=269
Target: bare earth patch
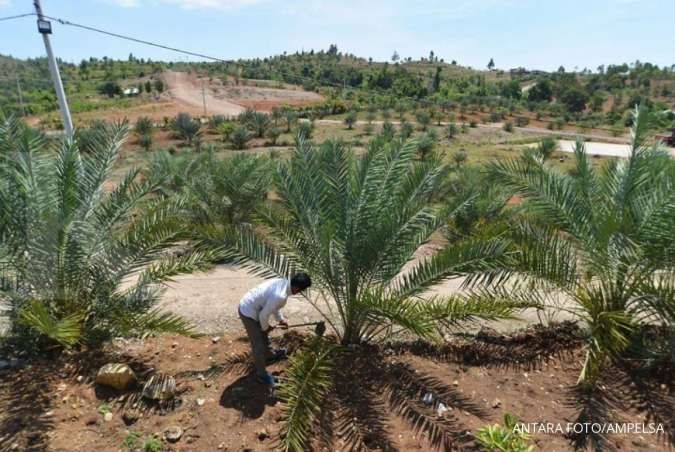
x=52 y=404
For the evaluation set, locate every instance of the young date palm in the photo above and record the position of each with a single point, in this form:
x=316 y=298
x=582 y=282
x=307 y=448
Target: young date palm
x=216 y=191
x=353 y=224
x=88 y=261
x=601 y=237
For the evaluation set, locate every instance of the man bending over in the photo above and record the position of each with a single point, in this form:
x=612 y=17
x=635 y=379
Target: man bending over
x=255 y=309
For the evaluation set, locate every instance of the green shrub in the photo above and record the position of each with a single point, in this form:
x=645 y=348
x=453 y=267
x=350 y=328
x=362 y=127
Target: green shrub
x=273 y=134
x=350 y=119
x=508 y=126
x=186 y=128
x=305 y=129
x=216 y=121
x=240 y=137
x=451 y=131
x=225 y=129
x=388 y=131
x=506 y=438
x=144 y=126
x=522 y=121
x=423 y=118
x=459 y=157
x=406 y=130
x=145 y=141
x=257 y=122
x=425 y=144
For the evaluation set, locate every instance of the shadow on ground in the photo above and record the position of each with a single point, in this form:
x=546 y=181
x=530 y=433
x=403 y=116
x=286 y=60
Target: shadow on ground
x=248 y=396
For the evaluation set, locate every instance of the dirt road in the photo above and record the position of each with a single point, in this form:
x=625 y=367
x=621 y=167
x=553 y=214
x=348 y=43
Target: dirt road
x=229 y=99
x=185 y=88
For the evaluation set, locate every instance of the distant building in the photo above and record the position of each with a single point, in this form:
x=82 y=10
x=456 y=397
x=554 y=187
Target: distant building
x=130 y=91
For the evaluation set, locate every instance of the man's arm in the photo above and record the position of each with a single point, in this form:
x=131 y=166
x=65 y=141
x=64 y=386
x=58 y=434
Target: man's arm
x=271 y=308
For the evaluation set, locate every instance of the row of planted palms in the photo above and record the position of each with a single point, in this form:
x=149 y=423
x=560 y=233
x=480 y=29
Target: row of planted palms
x=600 y=238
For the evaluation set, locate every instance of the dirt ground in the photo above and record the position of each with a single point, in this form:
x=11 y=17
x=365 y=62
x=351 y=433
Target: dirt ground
x=229 y=99
x=54 y=405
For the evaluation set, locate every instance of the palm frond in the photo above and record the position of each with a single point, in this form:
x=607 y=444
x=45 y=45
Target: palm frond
x=308 y=380
x=66 y=331
x=154 y=321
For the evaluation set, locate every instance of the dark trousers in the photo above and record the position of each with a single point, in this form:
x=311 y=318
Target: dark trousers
x=260 y=343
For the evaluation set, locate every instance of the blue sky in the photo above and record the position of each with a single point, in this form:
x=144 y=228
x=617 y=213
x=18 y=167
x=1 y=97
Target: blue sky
x=532 y=33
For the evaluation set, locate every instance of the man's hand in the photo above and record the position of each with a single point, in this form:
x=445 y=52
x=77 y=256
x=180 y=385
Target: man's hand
x=269 y=329
x=283 y=324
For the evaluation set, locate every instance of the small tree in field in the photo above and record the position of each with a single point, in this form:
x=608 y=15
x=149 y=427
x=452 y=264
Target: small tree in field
x=240 y=137
x=451 y=131
x=459 y=157
x=290 y=117
x=145 y=141
x=406 y=130
x=350 y=119
x=186 y=127
x=144 y=126
x=273 y=134
x=546 y=147
x=423 y=118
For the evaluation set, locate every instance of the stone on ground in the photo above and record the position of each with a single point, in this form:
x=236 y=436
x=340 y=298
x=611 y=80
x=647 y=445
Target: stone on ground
x=116 y=375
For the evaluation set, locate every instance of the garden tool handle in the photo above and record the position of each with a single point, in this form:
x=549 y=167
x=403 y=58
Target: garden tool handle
x=303 y=324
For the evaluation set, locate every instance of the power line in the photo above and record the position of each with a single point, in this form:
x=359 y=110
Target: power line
x=16 y=17
x=141 y=41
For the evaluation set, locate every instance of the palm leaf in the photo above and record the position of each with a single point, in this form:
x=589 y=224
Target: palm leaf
x=308 y=380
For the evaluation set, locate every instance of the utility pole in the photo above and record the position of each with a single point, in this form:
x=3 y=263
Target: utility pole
x=45 y=29
x=18 y=88
x=204 y=99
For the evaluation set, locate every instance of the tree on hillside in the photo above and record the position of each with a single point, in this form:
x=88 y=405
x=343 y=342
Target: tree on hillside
x=491 y=64
x=541 y=91
x=395 y=57
x=436 y=80
x=574 y=99
x=110 y=88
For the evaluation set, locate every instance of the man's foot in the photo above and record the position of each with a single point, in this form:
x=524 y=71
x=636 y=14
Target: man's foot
x=278 y=355
x=267 y=379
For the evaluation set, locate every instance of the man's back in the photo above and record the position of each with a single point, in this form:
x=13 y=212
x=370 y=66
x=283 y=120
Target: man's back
x=274 y=291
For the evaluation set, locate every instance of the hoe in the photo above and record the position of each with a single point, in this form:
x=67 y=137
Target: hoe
x=319 y=327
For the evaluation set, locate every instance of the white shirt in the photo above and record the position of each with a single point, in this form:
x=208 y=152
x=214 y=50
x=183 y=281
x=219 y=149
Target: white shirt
x=264 y=300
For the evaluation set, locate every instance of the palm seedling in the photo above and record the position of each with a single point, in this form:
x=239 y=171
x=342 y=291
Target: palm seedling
x=257 y=122
x=240 y=136
x=350 y=119
x=89 y=261
x=424 y=119
x=217 y=192
x=143 y=126
x=546 y=147
x=601 y=237
x=353 y=224
x=186 y=127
